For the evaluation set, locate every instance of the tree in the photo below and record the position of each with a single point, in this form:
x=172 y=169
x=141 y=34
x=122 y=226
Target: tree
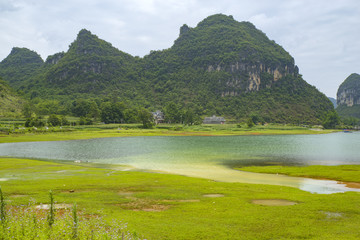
x=112 y=112
x=190 y=117
x=54 y=120
x=34 y=122
x=250 y=123
x=146 y=118
x=85 y=121
x=172 y=113
x=27 y=110
x=331 y=120
x=64 y=121
x=81 y=107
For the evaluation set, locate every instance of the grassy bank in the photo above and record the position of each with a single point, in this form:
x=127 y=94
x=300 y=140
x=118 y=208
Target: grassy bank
x=346 y=173
x=116 y=130
x=162 y=206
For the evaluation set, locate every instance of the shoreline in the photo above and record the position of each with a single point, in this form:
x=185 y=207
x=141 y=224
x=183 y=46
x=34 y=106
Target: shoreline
x=91 y=133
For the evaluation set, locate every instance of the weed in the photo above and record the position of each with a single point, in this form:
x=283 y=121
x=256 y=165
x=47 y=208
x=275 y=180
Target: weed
x=2 y=208
x=51 y=214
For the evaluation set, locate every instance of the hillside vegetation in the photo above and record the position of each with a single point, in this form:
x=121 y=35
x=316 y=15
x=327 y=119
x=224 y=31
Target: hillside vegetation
x=11 y=104
x=221 y=66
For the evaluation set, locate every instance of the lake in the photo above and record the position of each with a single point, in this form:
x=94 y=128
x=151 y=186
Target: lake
x=210 y=157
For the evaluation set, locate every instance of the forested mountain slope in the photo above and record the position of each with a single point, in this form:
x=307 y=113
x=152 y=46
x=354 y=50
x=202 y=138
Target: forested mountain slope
x=221 y=67
x=10 y=104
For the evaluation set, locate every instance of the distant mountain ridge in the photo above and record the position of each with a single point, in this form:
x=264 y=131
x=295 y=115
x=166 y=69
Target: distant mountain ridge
x=221 y=67
x=333 y=100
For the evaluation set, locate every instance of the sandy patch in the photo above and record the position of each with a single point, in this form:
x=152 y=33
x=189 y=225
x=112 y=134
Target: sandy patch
x=57 y=206
x=3 y=179
x=213 y=195
x=273 y=202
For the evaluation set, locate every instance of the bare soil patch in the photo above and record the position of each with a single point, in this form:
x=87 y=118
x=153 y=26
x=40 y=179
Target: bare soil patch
x=214 y=195
x=273 y=202
x=126 y=194
x=351 y=184
x=138 y=204
x=183 y=200
x=18 y=196
x=57 y=206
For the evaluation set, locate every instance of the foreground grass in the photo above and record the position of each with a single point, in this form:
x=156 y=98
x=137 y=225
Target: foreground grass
x=116 y=130
x=162 y=206
x=26 y=222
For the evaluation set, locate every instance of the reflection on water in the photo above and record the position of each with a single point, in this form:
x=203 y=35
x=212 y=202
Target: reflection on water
x=207 y=157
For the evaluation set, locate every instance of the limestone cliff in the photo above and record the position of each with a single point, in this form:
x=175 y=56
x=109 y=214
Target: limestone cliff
x=348 y=97
x=349 y=91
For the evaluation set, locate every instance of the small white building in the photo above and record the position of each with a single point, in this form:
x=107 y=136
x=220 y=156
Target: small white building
x=158 y=116
x=214 y=120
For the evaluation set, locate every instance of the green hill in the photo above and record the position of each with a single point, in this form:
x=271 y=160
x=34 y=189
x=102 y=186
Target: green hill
x=19 y=66
x=11 y=104
x=221 y=67
x=348 y=97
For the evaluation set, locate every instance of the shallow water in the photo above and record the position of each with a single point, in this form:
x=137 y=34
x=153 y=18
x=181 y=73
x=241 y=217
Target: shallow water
x=208 y=157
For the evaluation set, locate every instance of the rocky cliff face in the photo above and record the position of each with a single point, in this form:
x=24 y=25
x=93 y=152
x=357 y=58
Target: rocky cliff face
x=247 y=77
x=349 y=91
x=239 y=49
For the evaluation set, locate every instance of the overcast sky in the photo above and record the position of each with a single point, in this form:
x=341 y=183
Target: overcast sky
x=323 y=36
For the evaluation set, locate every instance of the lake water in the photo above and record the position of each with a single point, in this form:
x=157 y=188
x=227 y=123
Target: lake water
x=207 y=157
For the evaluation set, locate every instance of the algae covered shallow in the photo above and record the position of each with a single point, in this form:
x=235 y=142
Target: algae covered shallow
x=207 y=156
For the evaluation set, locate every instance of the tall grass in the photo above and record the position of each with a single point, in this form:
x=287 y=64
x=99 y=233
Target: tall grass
x=2 y=208
x=28 y=222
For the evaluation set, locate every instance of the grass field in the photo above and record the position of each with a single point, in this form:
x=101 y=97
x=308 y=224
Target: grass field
x=162 y=206
x=116 y=130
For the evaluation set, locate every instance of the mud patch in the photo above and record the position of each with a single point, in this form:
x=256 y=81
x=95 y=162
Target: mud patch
x=126 y=194
x=273 y=202
x=138 y=204
x=351 y=184
x=57 y=206
x=154 y=208
x=213 y=195
x=183 y=200
x=18 y=196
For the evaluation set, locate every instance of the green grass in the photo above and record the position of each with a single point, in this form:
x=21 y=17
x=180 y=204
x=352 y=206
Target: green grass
x=163 y=206
x=346 y=173
x=125 y=130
